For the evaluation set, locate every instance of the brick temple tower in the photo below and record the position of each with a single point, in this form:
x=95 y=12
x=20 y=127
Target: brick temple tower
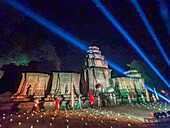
x=96 y=75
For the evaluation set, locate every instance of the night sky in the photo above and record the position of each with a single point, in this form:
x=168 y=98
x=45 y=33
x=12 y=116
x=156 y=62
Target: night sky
x=34 y=48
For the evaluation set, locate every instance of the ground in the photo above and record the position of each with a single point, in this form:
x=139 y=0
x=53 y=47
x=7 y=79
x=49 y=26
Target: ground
x=120 y=116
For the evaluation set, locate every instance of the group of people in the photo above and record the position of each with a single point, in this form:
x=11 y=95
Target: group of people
x=112 y=101
x=143 y=99
x=37 y=104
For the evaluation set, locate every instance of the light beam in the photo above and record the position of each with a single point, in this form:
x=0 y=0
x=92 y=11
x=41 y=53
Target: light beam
x=150 y=29
x=49 y=25
x=130 y=40
x=165 y=14
x=65 y=35
x=113 y=65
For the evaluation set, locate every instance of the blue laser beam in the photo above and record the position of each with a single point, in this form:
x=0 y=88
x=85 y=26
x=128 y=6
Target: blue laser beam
x=150 y=29
x=113 y=65
x=165 y=14
x=69 y=37
x=49 y=25
x=130 y=40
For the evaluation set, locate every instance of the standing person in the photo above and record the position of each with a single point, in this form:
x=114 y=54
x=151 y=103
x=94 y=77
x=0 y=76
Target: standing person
x=114 y=98
x=51 y=97
x=129 y=99
x=36 y=105
x=154 y=98
x=28 y=91
x=111 y=99
x=66 y=89
x=79 y=103
x=99 y=104
x=143 y=98
x=57 y=104
x=41 y=105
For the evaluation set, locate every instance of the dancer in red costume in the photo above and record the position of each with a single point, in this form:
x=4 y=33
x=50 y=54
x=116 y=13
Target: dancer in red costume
x=57 y=104
x=36 y=106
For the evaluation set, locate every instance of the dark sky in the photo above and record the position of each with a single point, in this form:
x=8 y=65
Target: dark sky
x=84 y=20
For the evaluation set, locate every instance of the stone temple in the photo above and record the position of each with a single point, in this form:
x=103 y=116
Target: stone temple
x=96 y=76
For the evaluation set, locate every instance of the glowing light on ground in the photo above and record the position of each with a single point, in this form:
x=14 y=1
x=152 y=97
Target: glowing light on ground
x=130 y=40
x=151 y=31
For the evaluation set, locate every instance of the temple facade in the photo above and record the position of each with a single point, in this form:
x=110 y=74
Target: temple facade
x=96 y=76
x=32 y=84
x=63 y=82
x=134 y=81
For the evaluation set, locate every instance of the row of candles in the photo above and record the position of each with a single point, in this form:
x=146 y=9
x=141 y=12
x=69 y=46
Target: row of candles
x=153 y=105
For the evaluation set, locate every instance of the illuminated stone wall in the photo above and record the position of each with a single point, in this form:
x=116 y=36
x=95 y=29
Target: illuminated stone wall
x=95 y=76
x=38 y=82
x=61 y=79
x=123 y=85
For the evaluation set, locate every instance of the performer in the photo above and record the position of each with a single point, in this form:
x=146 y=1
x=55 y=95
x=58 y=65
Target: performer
x=99 y=104
x=154 y=99
x=111 y=99
x=57 y=104
x=28 y=91
x=129 y=99
x=36 y=105
x=143 y=98
x=41 y=106
x=114 y=97
x=79 y=103
x=66 y=89
x=51 y=97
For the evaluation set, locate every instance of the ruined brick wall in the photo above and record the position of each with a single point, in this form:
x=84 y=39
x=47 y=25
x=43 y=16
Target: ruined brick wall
x=61 y=79
x=38 y=82
x=98 y=76
x=127 y=83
